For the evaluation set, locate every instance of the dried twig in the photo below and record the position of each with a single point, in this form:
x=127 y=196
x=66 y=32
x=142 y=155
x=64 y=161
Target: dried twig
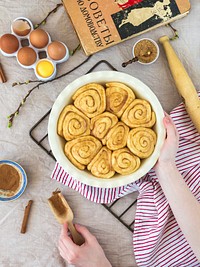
x=76 y=49
x=22 y=83
x=43 y=22
x=175 y=32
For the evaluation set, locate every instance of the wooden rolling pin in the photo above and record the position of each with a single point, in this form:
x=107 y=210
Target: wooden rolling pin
x=183 y=83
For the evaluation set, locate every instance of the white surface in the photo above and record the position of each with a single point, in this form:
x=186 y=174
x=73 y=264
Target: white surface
x=38 y=246
x=56 y=142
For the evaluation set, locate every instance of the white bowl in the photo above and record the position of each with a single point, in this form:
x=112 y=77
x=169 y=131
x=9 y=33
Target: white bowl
x=57 y=143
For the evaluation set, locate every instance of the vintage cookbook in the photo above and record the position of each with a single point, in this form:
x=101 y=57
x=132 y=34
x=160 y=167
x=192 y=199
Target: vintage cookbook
x=103 y=23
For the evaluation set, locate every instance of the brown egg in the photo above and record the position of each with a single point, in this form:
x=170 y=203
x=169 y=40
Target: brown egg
x=26 y=56
x=39 y=38
x=21 y=27
x=56 y=50
x=9 y=43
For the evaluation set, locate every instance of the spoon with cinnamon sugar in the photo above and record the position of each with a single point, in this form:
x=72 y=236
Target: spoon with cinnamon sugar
x=137 y=58
x=63 y=213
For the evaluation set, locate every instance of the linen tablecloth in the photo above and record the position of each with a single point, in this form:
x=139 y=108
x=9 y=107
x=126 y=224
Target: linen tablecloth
x=38 y=247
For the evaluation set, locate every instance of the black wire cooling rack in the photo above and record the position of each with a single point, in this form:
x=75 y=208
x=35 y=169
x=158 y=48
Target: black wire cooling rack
x=123 y=209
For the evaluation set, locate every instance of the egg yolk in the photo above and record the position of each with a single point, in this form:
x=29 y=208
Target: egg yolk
x=45 y=68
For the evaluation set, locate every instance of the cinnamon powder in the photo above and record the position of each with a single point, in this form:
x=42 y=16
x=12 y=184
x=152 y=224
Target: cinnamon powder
x=57 y=204
x=9 y=178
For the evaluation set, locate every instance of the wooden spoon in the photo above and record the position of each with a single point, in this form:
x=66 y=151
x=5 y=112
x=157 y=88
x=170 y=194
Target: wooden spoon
x=63 y=213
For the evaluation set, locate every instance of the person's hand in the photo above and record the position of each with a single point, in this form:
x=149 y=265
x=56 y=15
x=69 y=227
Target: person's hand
x=170 y=147
x=90 y=254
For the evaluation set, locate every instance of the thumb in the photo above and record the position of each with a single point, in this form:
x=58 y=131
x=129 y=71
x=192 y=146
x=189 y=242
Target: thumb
x=171 y=130
x=84 y=232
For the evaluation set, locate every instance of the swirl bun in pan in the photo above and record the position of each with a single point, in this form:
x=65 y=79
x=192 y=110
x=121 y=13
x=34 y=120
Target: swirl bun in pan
x=118 y=97
x=82 y=150
x=141 y=141
x=90 y=99
x=101 y=124
x=124 y=161
x=139 y=114
x=117 y=136
x=72 y=123
x=101 y=165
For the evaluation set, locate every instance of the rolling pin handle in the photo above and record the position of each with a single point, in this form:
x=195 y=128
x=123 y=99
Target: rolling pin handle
x=164 y=39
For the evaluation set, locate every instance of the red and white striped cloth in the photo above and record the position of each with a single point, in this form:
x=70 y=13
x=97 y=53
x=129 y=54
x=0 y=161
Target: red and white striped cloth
x=157 y=239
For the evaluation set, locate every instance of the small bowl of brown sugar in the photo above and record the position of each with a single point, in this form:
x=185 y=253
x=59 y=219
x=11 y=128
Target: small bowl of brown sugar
x=146 y=51
x=13 y=180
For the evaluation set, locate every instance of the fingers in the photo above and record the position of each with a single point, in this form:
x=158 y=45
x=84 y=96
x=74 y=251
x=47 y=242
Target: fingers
x=66 y=240
x=62 y=248
x=84 y=232
x=64 y=252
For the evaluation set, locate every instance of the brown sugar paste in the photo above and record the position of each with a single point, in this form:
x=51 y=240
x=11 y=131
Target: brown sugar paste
x=145 y=51
x=9 y=178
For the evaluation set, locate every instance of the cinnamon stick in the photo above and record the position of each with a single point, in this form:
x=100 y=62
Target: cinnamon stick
x=26 y=216
x=2 y=75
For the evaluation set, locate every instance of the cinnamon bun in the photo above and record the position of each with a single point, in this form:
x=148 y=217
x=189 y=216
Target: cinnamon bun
x=118 y=97
x=90 y=99
x=72 y=123
x=125 y=162
x=101 y=124
x=82 y=150
x=101 y=165
x=139 y=114
x=141 y=142
x=117 y=136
